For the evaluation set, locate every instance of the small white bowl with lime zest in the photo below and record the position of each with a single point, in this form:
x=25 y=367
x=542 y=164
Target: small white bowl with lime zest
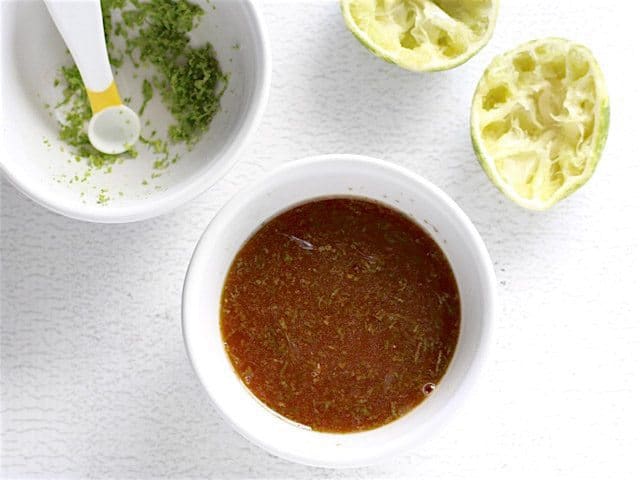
x=295 y=183
x=43 y=167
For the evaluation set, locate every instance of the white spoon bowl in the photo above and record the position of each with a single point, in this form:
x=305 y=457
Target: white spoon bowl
x=114 y=130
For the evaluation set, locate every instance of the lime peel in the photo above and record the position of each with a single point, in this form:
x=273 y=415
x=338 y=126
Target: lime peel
x=539 y=121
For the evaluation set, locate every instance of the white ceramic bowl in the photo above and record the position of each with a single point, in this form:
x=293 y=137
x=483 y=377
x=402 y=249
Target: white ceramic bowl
x=295 y=183
x=32 y=51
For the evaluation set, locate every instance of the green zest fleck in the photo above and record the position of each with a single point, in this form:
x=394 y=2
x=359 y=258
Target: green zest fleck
x=103 y=198
x=147 y=94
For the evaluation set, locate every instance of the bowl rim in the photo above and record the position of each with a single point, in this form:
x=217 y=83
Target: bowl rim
x=227 y=157
x=238 y=202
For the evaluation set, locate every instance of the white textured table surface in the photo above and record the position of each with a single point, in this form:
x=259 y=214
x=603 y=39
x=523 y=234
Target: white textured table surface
x=95 y=380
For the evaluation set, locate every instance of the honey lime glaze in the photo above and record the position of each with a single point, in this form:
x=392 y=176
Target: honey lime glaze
x=340 y=314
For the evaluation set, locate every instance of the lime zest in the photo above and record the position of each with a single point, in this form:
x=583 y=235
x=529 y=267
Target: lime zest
x=147 y=95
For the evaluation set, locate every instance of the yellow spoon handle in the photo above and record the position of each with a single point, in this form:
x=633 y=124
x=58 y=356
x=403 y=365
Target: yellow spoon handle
x=104 y=99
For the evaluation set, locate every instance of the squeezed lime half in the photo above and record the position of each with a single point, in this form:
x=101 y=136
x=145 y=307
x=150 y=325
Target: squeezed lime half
x=539 y=121
x=422 y=35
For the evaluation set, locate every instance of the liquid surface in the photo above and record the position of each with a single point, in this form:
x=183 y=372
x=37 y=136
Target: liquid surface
x=340 y=314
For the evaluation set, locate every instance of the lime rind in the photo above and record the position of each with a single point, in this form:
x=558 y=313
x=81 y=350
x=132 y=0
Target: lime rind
x=422 y=35
x=539 y=121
